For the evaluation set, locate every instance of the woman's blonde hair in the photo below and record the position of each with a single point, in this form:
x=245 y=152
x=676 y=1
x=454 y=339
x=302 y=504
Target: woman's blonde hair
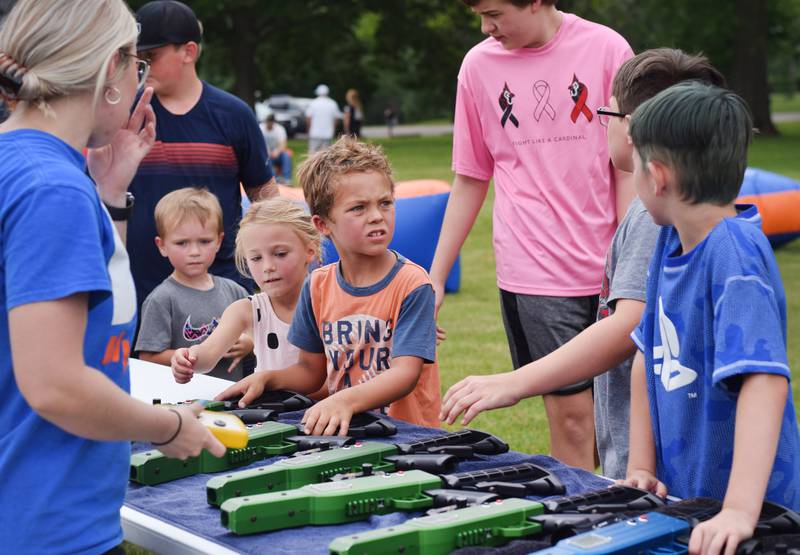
x=353 y=98
x=280 y=211
x=56 y=48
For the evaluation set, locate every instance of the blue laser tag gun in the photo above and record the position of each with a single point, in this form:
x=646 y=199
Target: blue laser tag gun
x=667 y=531
x=264 y=439
x=492 y=522
x=348 y=499
x=437 y=455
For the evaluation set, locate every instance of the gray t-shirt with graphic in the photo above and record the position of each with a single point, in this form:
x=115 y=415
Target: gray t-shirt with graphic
x=175 y=316
x=625 y=277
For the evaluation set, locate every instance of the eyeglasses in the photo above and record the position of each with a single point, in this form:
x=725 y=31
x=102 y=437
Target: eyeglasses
x=604 y=112
x=142 y=68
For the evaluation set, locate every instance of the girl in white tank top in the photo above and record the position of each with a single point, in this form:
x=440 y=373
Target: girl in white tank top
x=275 y=244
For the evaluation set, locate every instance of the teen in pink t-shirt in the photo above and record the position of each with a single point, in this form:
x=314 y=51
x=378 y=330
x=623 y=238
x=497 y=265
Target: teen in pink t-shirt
x=525 y=117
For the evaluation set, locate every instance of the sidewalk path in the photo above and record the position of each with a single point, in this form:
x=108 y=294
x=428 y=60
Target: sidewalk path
x=380 y=131
x=782 y=117
x=417 y=130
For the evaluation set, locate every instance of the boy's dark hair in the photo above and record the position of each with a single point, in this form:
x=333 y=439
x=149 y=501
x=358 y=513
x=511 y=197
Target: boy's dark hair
x=701 y=132
x=320 y=173
x=650 y=72
x=517 y=3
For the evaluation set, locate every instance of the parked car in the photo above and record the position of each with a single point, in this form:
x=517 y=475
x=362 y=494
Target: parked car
x=289 y=111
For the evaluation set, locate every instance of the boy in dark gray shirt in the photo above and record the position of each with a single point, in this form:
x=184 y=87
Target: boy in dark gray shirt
x=604 y=350
x=185 y=308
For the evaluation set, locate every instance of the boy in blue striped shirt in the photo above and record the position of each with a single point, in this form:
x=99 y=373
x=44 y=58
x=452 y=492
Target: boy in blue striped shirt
x=712 y=362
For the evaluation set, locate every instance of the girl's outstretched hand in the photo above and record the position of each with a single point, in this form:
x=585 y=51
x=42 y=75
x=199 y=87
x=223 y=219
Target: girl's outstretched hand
x=182 y=364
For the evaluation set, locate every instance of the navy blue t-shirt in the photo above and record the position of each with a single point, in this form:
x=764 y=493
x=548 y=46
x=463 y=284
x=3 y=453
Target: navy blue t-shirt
x=713 y=316
x=60 y=493
x=216 y=145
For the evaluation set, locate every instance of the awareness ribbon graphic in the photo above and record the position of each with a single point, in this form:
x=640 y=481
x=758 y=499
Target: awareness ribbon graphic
x=580 y=106
x=541 y=91
x=507 y=104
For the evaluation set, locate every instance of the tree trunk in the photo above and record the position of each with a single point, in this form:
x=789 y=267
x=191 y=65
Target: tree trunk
x=243 y=58
x=749 y=72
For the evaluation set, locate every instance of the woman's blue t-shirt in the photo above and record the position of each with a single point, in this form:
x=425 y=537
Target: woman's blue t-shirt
x=61 y=493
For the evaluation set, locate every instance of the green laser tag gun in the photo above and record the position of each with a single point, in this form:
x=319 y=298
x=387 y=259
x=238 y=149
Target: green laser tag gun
x=265 y=439
x=489 y=524
x=266 y=407
x=493 y=521
x=347 y=500
x=437 y=455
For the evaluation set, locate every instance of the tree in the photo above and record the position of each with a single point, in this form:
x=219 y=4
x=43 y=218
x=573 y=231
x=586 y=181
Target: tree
x=407 y=52
x=748 y=76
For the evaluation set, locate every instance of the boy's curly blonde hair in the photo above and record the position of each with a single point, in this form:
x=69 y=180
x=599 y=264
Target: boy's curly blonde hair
x=277 y=211
x=319 y=174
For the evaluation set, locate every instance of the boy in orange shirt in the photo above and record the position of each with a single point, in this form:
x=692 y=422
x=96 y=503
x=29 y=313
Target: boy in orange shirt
x=365 y=322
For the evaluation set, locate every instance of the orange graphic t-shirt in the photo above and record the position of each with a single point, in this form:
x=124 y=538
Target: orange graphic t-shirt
x=361 y=329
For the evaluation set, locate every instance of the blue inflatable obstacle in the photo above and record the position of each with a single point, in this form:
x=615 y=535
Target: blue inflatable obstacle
x=778 y=200
x=419 y=211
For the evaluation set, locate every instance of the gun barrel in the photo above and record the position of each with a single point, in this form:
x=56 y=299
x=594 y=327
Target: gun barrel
x=615 y=497
x=153 y=467
x=299 y=470
x=490 y=524
x=477 y=442
x=329 y=502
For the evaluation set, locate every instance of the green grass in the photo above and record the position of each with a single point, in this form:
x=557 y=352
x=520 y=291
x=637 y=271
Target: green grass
x=782 y=103
x=779 y=154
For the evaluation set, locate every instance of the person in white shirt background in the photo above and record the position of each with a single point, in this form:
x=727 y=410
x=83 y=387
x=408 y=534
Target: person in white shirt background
x=321 y=117
x=279 y=155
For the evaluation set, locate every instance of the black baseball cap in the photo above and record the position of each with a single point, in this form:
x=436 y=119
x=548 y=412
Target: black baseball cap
x=166 y=22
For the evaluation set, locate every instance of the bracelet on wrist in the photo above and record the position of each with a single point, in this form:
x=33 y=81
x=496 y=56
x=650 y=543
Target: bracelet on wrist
x=180 y=425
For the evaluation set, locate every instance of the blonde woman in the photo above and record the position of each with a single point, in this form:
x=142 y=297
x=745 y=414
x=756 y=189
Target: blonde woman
x=70 y=72
x=353 y=114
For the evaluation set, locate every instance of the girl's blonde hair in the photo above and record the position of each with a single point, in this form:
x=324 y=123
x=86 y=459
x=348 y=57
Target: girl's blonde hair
x=57 y=48
x=280 y=211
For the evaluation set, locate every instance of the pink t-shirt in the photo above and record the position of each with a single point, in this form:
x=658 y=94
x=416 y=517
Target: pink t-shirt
x=527 y=118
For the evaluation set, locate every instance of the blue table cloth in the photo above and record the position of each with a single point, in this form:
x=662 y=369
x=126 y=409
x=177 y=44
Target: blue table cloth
x=182 y=503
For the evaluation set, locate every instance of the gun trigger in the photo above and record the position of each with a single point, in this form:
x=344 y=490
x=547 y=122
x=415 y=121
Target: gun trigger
x=460 y=451
x=517 y=531
x=440 y=510
x=503 y=489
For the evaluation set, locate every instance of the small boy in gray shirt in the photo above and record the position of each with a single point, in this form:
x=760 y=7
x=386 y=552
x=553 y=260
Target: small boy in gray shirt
x=604 y=350
x=185 y=308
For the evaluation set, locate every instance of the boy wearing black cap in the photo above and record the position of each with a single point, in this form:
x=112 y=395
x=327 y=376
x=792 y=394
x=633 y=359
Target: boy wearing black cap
x=205 y=138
